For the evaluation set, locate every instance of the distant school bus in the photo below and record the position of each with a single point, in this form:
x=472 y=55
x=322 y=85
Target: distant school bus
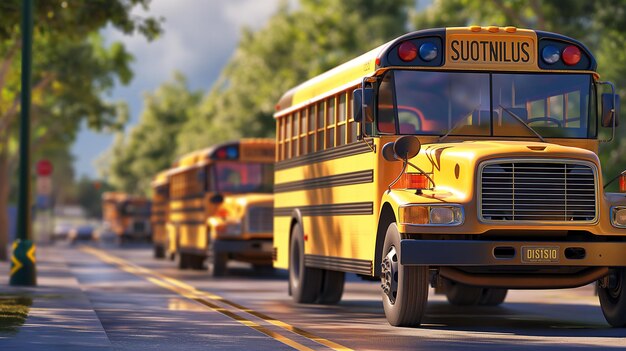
x=461 y=157
x=159 y=212
x=128 y=216
x=221 y=206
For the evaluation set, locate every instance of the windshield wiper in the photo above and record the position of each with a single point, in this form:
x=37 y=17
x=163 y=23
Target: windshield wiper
x=519 y=119
x=455 y=126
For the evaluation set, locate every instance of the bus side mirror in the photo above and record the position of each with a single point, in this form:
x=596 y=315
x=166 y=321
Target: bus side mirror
x=217 y=199
x=406 y=147
x=362 y=97
x=388 y=153
x=610 y=112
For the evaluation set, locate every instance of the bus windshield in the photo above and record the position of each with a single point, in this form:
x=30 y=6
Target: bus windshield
x=243 y=177
x=486 y=104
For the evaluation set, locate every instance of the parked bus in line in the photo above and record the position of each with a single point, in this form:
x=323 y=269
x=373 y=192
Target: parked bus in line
x=221 y=206
x=465 y=158
x=128 y=216
x=160 y=211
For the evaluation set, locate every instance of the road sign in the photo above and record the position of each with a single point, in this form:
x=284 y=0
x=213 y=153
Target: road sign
x=44 y=168
x=44 y=185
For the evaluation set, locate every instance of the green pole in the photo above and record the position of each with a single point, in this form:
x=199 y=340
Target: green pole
x=23 y=270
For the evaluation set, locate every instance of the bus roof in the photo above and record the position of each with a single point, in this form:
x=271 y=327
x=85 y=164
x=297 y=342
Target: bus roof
x=114 y=196
x=161 y=178
x=247 y=149
x=456 y=48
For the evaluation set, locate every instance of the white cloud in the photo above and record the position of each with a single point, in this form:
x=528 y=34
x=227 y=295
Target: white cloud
x=198 y=39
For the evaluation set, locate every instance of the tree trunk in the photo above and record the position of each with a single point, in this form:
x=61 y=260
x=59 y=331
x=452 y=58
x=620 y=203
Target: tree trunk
x=4 y=206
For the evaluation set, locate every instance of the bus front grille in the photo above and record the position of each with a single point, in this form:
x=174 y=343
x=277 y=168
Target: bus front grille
x=260 y=219
x=538 y=191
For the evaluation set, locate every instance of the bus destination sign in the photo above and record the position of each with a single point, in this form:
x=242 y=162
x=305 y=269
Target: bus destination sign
x=499 y=51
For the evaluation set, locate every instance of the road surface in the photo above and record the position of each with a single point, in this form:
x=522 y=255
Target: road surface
x=148 y=304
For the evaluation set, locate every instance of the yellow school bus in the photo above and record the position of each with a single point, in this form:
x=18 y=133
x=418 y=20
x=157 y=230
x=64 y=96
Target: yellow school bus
x=221 y=206
x=159 y=212
x=128 y=216
x=465 y=158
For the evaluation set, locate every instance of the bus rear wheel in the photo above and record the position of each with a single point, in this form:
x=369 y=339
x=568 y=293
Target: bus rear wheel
x=183 y=260
x=492 y=296
x=462 y=295
x=405 y=288
x=217 y=262
x=305 y=283
x=613 y=299
x=159 y=251
x=332 y=287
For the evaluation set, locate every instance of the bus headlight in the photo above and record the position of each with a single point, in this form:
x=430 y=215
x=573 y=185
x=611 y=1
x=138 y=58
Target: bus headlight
x=618 y=216
x=229 y=229
x=431 y=215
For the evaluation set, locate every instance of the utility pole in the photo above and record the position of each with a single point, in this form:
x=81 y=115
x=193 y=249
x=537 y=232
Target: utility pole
x=23 y=270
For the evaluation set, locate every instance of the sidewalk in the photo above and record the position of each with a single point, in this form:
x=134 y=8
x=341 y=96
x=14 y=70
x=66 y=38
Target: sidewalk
x=60 y=317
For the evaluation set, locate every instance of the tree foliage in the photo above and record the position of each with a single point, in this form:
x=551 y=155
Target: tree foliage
x=296 y=44
x=72 y=69
x=150 y=146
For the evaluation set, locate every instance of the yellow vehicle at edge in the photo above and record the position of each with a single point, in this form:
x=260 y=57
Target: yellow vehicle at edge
x=221 y=206
x=465 y=158
x=160 y=211
x=128 y=216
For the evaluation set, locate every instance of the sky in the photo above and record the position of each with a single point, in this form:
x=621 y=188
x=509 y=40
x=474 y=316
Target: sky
x=199 y=37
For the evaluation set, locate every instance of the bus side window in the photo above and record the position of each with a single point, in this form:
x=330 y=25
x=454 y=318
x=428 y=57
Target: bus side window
x=320 y=126
x=386 y=108
x=330 y=123
x=341 y=119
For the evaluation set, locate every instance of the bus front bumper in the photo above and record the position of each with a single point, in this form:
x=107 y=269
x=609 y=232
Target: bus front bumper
x=510 y=253
x=260 y=247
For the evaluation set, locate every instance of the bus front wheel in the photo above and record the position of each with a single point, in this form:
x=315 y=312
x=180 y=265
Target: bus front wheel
x=613 y=299
x=305 y=283
x=405 y=288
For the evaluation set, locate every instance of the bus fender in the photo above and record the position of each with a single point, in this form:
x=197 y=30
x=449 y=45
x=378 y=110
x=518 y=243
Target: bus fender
x=387 y=216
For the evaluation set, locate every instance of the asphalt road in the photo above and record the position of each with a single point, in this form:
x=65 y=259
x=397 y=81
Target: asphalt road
x=149 y=304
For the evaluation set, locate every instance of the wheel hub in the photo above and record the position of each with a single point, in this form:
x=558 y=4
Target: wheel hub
x=389 y=275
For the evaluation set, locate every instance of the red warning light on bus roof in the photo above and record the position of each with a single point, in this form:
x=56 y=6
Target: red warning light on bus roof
x=571 y=55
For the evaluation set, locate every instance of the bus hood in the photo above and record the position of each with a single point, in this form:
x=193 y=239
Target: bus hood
x=453 y=166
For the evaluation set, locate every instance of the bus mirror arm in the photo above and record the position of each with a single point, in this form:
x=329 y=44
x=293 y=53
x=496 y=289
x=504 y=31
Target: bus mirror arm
x=610 y=110
x=403 y=149
x=216 y=199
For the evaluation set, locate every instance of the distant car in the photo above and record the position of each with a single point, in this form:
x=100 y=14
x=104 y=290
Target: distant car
x=84 y=232
x=61 y=231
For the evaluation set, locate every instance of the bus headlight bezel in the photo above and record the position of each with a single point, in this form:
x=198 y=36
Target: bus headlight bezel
x=229 y=229
x=618 y=216
x=431 y=215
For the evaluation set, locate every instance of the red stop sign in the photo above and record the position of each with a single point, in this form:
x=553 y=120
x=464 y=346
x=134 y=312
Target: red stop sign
x=44 y=168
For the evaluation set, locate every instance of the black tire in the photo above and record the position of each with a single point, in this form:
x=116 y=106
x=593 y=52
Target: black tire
x=332 y=287
x=492 y=296
x=613 y=300
x=462 y=295
x=405 y=288
x=305 y=283
x=196 y=262
x=263 y=269
x=183 y=261
x=159 y=251
x=217 y=262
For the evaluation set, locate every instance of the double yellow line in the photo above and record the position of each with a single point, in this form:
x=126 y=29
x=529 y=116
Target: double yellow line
x=213 y=301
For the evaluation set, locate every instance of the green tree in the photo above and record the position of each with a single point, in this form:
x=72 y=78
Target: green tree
x=149 y=148
x=71 y=71
x=294 y=45
x=600 y=25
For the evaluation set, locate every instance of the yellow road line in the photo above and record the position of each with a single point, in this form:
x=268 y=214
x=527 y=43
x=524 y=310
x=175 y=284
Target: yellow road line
x=203 y=297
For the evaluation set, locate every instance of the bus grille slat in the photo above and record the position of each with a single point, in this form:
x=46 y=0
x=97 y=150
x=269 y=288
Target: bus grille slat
x=538 y=192
x=260 y=219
